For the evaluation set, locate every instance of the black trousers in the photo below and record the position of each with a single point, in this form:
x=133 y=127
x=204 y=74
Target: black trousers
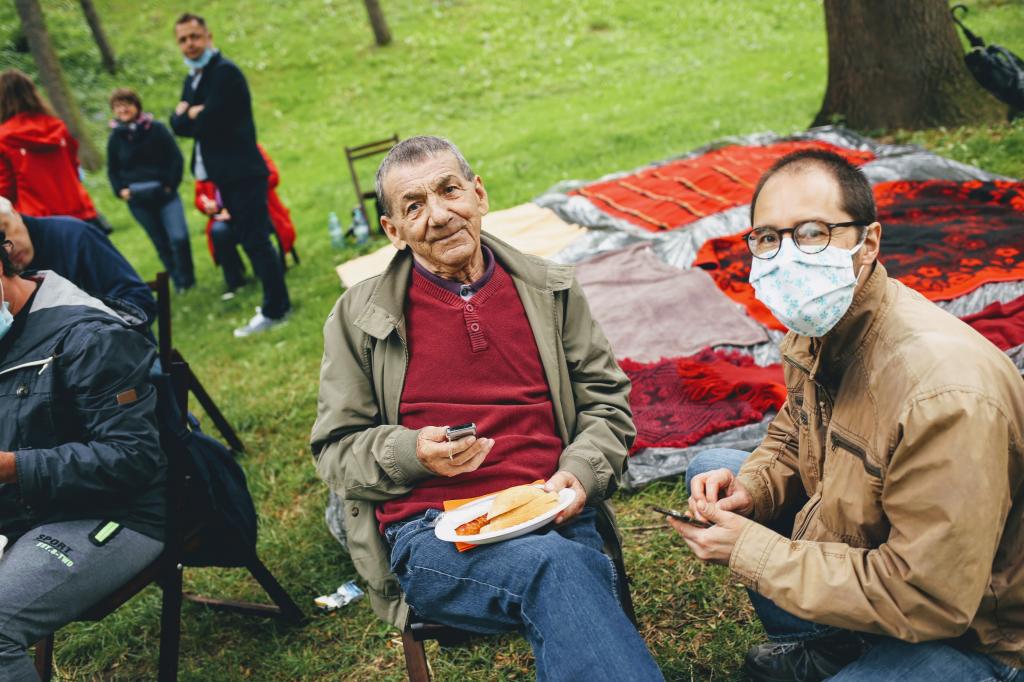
x=246 y=201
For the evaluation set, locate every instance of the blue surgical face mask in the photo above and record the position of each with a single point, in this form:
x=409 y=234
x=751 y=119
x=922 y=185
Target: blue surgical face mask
x=196 y=64
x=809 y=293
x=6 y=318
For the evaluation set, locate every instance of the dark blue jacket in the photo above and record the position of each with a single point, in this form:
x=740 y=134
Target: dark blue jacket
x=79 y=414
x=225 y=129
x=81 y=253
x=143 y=152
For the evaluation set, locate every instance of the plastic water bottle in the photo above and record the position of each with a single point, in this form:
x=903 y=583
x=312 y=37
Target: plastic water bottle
x=360 y=228
x=334 y=229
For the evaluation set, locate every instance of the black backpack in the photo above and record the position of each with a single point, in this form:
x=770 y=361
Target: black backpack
x=215 y=496
x=998 y=70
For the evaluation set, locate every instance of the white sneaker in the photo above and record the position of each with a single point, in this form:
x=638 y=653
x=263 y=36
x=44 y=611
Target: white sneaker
x=259 y=323
x=227 y=295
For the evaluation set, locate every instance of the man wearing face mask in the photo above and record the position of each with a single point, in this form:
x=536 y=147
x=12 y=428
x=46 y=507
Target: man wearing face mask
x=216 y=110
x=82 y=476
x=880 y=525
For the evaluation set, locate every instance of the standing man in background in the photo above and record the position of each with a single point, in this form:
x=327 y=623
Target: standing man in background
x=216 y=110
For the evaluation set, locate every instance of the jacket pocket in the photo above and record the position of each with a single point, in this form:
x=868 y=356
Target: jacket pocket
x=840 y=442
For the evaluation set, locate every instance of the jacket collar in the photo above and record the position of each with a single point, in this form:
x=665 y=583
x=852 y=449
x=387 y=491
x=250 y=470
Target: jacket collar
x=385 y=310
x=827 y=358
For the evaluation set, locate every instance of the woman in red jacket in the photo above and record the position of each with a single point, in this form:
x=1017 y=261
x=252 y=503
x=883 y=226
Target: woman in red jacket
x=221 y=240
x=38 y=156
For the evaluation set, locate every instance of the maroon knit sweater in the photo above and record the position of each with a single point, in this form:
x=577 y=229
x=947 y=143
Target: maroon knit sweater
x=475 y=361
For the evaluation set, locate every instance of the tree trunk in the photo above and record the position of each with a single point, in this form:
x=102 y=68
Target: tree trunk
x=899 y=65
x=106 y=51
x=52 y=78
x=380 y=27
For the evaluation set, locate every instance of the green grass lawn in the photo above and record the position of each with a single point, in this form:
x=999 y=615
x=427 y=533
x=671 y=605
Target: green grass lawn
x=533 y=93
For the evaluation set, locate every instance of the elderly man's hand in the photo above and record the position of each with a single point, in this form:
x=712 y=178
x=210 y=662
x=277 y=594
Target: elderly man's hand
x=194 y=111
x=454 y=458
x=181 y=108
x=712 y=544
x=707 y=487
x=564 y=479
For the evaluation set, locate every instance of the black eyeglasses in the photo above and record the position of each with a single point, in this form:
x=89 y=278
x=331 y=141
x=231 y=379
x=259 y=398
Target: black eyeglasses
x=810 y=236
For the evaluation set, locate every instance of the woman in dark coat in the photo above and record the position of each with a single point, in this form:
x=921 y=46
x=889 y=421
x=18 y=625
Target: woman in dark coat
x=145 y=166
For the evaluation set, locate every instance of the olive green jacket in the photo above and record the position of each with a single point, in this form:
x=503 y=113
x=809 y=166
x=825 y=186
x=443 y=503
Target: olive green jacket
x=366 y=457
x=901 y=444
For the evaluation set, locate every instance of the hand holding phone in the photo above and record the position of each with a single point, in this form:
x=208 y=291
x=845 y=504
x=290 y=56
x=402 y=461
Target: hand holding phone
x=680 y=516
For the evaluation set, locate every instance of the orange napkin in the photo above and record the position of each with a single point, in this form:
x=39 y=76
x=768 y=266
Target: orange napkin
x=455 y=504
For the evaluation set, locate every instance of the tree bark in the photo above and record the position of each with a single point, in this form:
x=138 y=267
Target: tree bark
x=52 y=78
x=899 y=65
x=380 y=27
x=106 y=51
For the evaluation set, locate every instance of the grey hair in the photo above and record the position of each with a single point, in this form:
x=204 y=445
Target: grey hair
x=413 y=150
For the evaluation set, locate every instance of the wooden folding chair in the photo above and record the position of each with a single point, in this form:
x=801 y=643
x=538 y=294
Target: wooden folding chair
x=353 y=154
x=420 y=630
x=168 y=569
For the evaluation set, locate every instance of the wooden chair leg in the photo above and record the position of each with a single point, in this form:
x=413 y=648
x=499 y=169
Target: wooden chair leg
x=290 y=611
x=44 y=658
x=170 y=627
x=415 y=658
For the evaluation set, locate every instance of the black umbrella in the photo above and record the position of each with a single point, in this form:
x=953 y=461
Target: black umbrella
x=999 y=71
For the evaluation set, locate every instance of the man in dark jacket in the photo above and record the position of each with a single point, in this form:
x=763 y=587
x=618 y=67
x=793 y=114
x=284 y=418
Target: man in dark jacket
x=216 y=110
x=78 y=252
x=82 y=477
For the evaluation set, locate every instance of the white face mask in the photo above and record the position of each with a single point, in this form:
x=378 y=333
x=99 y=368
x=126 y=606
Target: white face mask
x=809 y=293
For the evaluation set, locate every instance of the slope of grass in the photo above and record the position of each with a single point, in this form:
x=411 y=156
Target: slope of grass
x=533 y=93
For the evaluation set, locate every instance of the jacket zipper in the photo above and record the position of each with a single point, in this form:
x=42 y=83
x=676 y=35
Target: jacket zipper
x=35 y=363
x=807 y=519
x=841 y=442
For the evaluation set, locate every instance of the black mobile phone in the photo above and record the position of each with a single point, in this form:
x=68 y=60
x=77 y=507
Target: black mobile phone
x=460 y=431
x=680 y=516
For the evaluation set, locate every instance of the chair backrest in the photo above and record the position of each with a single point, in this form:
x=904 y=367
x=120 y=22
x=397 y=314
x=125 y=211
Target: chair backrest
x=353 y=154
x=162 y=287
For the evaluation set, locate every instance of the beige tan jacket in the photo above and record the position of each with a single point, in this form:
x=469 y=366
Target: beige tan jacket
x=901 y=441
x=367 y=457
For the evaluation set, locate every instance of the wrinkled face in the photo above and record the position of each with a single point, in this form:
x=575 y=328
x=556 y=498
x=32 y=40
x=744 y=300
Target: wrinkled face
x=22 y=251
x=125 y=112
x=791 y=197
x=192 y=38
x=435 y=211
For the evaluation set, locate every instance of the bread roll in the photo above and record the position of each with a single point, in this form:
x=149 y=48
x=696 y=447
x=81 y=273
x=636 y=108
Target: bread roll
x=541 y=503
x=513 y=497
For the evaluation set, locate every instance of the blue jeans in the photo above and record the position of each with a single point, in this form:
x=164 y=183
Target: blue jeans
x=225 y=248
x=164 y=222
x=886 y=658
x=555 y=586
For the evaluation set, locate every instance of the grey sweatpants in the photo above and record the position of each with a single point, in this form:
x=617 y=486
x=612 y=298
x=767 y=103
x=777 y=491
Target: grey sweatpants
x=53 y=574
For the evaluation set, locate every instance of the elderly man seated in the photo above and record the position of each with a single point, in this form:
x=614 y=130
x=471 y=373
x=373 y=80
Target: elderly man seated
x=463 y=328
x=899 y=452
x=79 y=252
x=82 y=477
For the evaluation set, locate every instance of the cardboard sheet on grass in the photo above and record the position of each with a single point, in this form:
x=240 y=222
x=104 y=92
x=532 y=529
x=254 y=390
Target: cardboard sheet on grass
x=527 y=227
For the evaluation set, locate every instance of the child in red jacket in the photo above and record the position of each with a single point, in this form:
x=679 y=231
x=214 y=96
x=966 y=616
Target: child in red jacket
x=221 y=240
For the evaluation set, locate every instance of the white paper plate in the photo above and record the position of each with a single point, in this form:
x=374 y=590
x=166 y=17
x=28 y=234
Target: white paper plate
x=449 y=521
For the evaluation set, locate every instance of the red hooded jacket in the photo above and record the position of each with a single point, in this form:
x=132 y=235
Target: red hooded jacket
x=279 y=214
x=39 y=168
